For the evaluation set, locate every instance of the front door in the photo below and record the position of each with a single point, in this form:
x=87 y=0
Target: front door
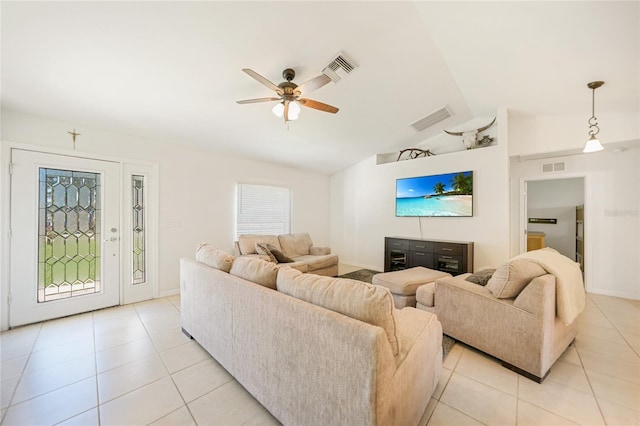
x=65 y=236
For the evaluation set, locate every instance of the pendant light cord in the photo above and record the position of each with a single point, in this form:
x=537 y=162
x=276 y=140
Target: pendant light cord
x=593 y=121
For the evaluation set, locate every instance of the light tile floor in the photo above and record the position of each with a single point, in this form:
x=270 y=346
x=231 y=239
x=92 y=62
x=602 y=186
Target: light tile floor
x=132 y=365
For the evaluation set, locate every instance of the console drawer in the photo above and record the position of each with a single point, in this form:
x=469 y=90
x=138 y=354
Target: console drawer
x=421 y=258
x=397 y=244
x=448 y=249
x=424 y=246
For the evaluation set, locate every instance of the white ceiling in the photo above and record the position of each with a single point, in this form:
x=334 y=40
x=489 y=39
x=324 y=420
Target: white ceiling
x=171 y=71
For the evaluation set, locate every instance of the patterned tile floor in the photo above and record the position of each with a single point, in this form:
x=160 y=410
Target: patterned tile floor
x=132 y=365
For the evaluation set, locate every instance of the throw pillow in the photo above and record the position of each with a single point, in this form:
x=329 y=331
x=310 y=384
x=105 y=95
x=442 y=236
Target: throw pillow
x=510 y=278
x=255 y=270
x=261 y=248
x=280 y=256
x=211 y=256
x=481 y=277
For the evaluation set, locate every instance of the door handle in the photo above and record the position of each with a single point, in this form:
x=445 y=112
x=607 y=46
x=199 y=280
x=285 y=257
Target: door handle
x=112 y=239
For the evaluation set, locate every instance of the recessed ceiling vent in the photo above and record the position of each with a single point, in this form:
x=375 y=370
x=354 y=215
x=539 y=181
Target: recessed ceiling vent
x=553 y=167
x=431 y=119
x=339 y=67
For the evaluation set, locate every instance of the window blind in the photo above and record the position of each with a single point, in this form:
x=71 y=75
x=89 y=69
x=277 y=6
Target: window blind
x=263 y=209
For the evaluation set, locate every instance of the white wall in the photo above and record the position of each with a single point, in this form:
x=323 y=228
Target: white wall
x=551 y=133
x=363 y=206
x=556 y=199
x=612 y=215
x=197 y=188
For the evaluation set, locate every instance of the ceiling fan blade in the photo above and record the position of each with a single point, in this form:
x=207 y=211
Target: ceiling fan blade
x=253 y=101
x=263 y=80
x=313 y=84
x=309 y=103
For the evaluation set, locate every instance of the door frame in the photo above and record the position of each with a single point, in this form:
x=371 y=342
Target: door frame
x=149 y=169
x=522 y=246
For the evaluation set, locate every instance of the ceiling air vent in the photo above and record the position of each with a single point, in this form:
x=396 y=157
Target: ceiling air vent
x=431 y=119
x=553 y=167
x=339 y=67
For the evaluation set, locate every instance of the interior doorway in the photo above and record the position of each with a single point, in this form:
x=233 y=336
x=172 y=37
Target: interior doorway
x=554 y=215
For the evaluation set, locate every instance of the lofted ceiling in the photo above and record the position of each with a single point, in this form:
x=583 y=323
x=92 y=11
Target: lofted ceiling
x=171 y=71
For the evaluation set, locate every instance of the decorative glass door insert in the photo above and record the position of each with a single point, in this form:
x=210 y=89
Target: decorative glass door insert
x=138 y=229
x=69 y=234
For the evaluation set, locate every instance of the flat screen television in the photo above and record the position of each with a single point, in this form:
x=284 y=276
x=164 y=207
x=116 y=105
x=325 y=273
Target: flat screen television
x=445 y=195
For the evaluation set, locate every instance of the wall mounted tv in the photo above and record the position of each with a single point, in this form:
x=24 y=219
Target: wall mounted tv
x=449 y=194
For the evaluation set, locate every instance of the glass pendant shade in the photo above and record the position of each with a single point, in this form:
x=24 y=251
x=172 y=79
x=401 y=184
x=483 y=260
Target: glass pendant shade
x=294 y=110
x=593 y=145
x=278 y=109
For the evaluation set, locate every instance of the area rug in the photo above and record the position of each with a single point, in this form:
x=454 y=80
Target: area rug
x=366 y=275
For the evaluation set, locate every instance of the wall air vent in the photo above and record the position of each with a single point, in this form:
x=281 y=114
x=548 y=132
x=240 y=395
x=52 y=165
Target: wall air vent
x=339 y=67
x=553 y=167
x=431 y=119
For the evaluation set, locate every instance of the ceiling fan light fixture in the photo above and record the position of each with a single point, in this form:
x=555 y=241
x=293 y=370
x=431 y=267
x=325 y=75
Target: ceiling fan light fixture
x=278 y=109
x=294 y=110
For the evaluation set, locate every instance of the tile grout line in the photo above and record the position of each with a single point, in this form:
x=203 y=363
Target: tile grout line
x=584 y=368
x=95 y=366
x=15 y=389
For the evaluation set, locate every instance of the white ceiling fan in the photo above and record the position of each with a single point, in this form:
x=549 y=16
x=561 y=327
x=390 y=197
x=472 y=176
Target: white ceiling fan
x=289 y=94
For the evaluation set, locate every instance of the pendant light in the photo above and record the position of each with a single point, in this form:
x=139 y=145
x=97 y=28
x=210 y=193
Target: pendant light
x=593 y=144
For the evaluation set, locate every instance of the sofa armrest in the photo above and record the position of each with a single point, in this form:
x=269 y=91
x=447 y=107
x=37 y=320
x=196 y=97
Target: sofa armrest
x=319 y=251
x=539 y=296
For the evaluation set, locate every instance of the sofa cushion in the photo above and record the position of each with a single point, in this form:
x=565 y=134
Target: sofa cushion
x=481 y=277
x=355 y=299
x=511 y=277
x=211 y=256
x=255 y=270
x=318 y=262
x=294 y=245
x=247 y=242
x=263 y=248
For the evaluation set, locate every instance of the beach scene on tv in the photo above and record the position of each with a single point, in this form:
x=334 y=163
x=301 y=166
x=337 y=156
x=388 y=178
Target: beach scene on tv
x=449 y=194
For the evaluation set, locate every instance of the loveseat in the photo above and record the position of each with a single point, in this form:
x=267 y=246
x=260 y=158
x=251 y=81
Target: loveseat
x=312 y=350
x=299 y=248
x=524 y=314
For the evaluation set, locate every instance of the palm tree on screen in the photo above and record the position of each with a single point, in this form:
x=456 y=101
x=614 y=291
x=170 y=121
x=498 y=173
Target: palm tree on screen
x=462 y=184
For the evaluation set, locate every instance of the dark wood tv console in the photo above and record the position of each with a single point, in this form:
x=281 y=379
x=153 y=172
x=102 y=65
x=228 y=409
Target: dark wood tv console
x=454 y=257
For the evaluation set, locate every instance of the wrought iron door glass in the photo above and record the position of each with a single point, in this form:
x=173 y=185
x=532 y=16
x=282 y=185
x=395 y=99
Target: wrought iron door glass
x=138 y=228
x=69 y=234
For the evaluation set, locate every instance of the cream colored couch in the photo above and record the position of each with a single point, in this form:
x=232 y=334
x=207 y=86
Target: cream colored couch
x=515 y=316
x=299 y=247
x=312 y=350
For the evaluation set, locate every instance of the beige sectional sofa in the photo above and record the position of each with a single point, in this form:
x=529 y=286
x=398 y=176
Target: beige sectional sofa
x=525 y=315
x=299 y=247
x=312 y=350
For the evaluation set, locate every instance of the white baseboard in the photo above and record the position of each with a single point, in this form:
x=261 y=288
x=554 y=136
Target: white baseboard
x=620 y=294
x=167 y=293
